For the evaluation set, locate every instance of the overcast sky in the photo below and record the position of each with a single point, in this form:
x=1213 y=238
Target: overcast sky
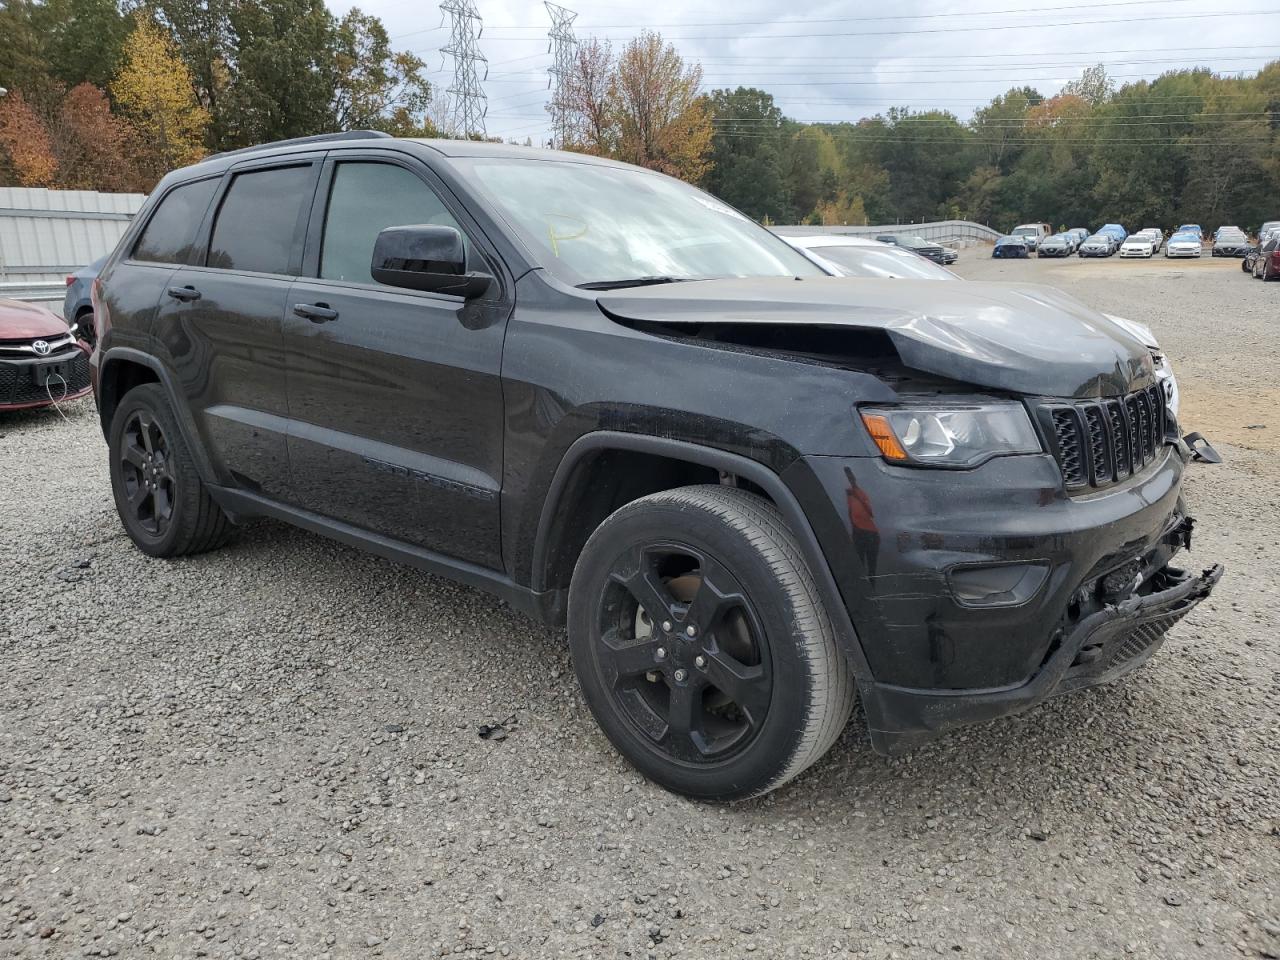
x=846 y=59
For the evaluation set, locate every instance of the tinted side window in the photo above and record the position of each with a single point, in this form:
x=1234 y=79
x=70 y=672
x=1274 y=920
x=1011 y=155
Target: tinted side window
x=258 y=220
x=366 y=198
x=168 y=234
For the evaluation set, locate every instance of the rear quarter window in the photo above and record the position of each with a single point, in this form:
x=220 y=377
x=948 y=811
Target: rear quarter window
x=168 y=235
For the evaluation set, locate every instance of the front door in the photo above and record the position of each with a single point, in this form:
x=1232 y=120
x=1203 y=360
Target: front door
x=222 y=321
x=395 y=397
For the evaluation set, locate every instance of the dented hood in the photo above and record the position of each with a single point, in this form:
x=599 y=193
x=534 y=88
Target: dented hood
x=1020 y=337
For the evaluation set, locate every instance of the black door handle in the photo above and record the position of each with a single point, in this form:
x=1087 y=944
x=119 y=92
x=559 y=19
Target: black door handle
x=185 y=294
x=315 y=312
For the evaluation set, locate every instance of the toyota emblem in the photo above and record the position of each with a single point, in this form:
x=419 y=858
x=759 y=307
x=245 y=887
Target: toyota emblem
x=41 y=347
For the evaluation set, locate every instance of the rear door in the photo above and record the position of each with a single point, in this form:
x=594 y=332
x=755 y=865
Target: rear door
x=395 y=395
x=134 y=285
x=222 y=319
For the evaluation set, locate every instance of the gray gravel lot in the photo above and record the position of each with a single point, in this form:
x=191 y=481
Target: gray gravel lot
x=273 y=751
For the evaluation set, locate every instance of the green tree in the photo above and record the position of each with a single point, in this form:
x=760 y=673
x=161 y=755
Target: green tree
x=84 y=40
x=284 y=71
x=376 y=88
x=747 y=153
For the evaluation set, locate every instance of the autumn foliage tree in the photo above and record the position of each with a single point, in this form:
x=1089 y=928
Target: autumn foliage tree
x=25 y=143
x=93 y=146
x=155 y=91
x=663 y=122
x=641 y=106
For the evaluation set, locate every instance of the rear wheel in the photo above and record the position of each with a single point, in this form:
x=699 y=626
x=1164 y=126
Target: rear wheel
x=702 y=645
x=84 y=327
x=163 y=504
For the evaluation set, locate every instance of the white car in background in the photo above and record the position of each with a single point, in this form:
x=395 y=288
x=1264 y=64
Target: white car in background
x=1156 y=235
x=861 y=257
x=1138 y=246
x=856 y=257
x=1184 y=244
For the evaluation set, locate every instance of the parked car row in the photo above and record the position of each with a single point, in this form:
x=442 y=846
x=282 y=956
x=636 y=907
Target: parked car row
x=1187 y=240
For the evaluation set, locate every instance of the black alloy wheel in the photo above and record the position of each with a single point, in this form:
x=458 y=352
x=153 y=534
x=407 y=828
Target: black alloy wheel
x=163 y=504
x=683 y=651
x=149 y=484
x=702 y=644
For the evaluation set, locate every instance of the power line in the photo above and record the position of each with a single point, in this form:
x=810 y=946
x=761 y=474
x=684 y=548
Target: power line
x=1235 y=14
x=1112 y=4
x=1109 y=4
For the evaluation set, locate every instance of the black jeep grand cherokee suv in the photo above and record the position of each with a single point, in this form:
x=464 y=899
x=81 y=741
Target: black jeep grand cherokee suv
x=749 y=489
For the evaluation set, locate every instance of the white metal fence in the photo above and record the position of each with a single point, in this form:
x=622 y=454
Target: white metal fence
x=952 y=232
x=47 y=234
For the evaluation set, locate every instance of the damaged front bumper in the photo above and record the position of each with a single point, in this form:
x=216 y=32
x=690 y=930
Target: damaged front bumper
x=978 y=593
x=1098 y=648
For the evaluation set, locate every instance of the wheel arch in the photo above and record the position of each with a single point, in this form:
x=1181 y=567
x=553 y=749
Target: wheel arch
x=573 y=487
x=123 y=368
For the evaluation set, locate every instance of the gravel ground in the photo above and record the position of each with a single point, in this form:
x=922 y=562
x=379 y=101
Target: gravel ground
x=275 y=750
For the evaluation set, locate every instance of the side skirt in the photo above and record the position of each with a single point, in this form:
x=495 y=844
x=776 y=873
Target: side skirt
x=544 y=607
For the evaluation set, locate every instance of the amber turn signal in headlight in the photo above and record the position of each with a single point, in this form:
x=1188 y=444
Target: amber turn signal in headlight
x=950 y=436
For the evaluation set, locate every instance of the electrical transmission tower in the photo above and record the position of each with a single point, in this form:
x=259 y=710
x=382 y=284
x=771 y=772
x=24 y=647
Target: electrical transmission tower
x=467 y=104
x=563 y=46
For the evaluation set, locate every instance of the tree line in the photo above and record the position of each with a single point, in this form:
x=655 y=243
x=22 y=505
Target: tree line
x=1189 y=146
x=104 y=99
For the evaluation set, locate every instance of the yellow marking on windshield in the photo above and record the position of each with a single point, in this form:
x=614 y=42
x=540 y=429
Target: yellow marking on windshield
x=556 y=238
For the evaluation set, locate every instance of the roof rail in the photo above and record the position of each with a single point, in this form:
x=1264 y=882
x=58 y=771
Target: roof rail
x=317 y=138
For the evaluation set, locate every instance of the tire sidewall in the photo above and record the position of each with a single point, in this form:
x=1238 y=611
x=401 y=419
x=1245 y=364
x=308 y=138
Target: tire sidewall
x=151 y=398
x=755 y=766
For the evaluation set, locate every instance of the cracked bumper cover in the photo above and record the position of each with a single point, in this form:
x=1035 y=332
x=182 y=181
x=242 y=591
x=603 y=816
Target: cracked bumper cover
x=1097 y=649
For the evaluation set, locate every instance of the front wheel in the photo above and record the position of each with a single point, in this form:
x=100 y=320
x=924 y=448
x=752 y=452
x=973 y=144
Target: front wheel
x=702 y=645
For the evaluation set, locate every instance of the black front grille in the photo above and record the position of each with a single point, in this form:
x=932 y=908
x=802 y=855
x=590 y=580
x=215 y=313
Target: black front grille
x=18 y=385
x=1100 y=442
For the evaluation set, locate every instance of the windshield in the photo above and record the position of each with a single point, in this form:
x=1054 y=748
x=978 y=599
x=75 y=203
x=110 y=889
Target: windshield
x=597 y=224
x=858 y=261
x=1025 y=232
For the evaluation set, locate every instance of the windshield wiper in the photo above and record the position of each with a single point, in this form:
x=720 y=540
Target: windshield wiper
x=633 y=282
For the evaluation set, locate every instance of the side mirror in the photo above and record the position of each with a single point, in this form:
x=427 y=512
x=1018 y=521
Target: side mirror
x=426 y=257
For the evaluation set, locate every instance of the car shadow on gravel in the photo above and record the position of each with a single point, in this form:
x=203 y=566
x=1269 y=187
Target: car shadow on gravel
x=1067 y=745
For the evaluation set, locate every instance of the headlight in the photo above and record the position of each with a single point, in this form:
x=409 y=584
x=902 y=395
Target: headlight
x=950 y=436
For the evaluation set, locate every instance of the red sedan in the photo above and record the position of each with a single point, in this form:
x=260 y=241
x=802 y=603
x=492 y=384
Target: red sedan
x=41 y=361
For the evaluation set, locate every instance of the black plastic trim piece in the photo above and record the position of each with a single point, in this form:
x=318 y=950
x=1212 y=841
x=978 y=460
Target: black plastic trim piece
x=242 y=503
x=181 y=412
x=726 y=462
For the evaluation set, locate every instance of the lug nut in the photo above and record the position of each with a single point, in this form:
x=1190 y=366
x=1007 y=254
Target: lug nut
x=700 y=662
x=666 y=625
x=680 y=676
x=691 y=630
x=660 y=653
